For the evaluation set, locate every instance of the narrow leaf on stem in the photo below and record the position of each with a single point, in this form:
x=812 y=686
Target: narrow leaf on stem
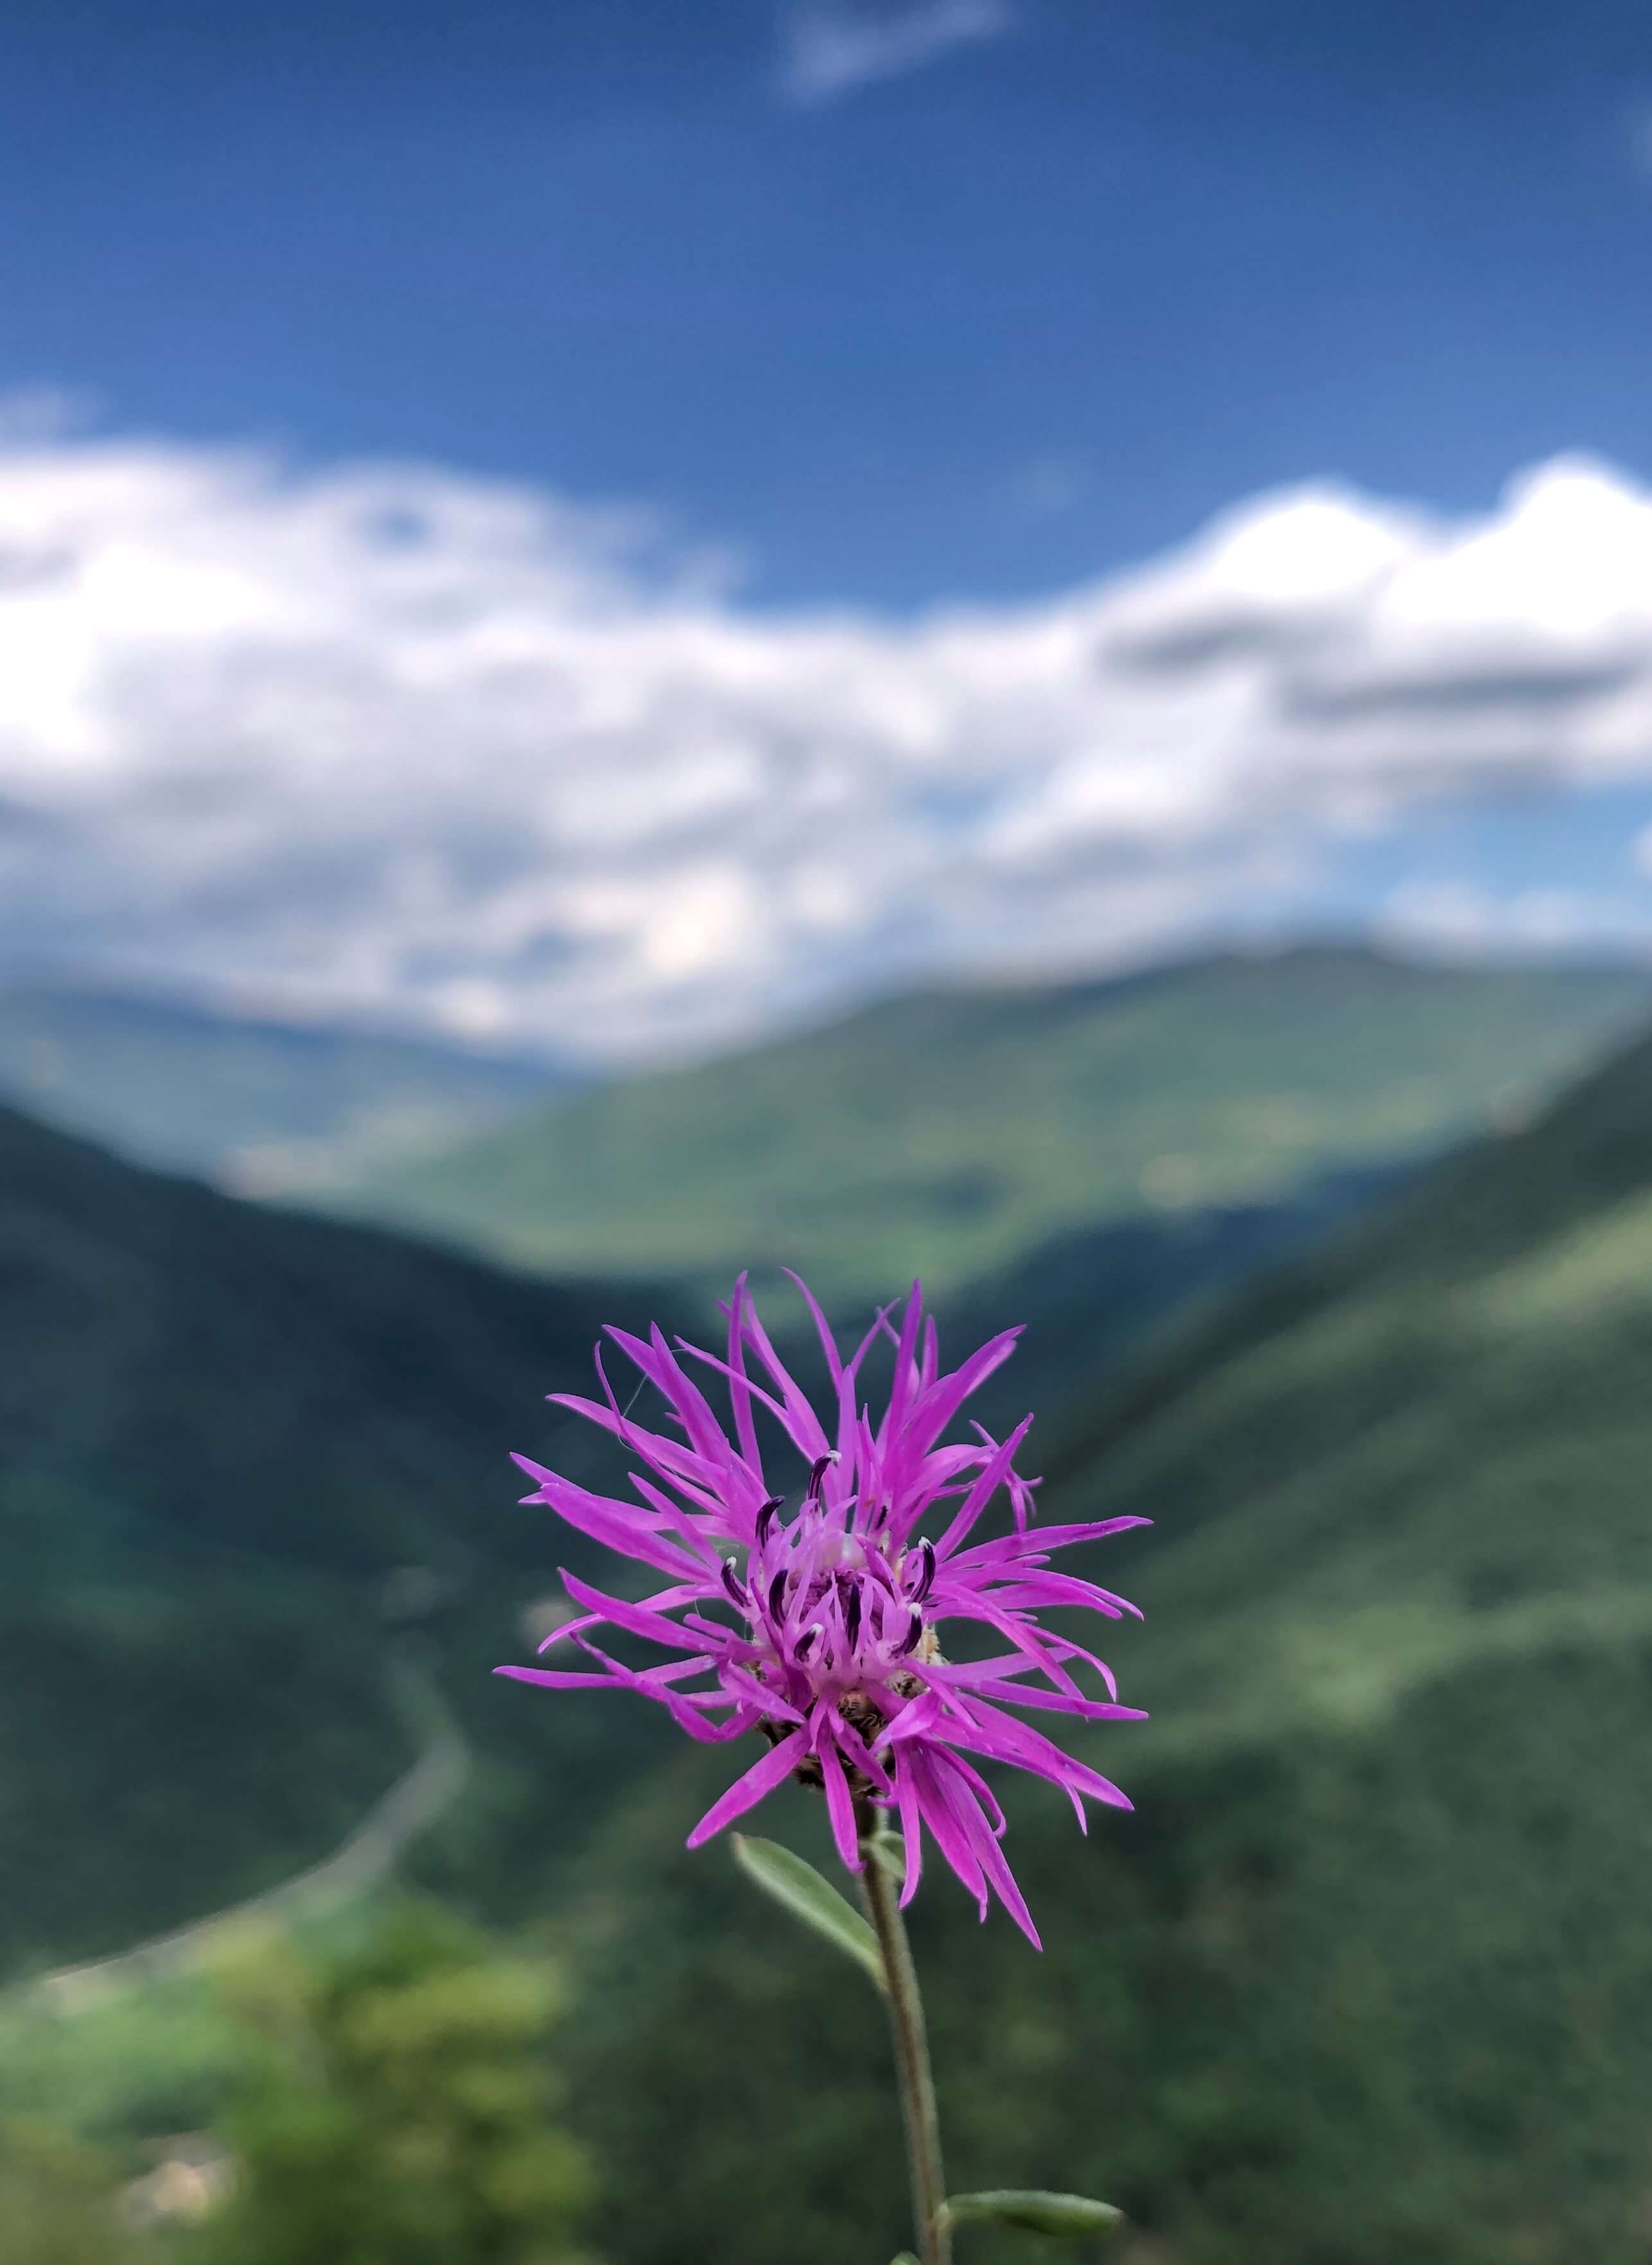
x=1062 y=2215
x=807 y=1896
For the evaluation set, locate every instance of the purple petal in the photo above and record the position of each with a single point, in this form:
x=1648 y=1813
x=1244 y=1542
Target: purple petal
x=1043 y=1651
x=654 y=1359
x=1064 y=1647
x=739 y=1388
x=855 y=1749
x=755 y=1692
x=700 y=1532
x=926 y=1765
x=984 y=1488
x=919 y=1719
x=681 y=1705
x=762 y=1777
x=982 y=1792
x=905 y=1380
x=840 y=1802
x=753 y=1391
x=980 y=1728
x=828 y=1343
x=557 y=1679
x=619 y=1525
x=1040 y=1537
x=680 y=1465
x=799 y=1419
x=1036 y=1588
x=637 y=1618
x=953 y=1789
x=570 y=1628
x=936 y=1407
x=998 y=1872
x=1087 y=1710
x=911 y=1806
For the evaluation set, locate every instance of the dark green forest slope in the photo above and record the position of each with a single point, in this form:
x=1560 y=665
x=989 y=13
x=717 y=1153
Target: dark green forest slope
x=948 y=1134
x=1369 y=1972
x=221 y=1430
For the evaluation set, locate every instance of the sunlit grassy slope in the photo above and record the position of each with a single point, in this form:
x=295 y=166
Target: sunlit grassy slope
x=267 y=1106
x=1368 y=1973
x=948 y=1132
x=221 y=1430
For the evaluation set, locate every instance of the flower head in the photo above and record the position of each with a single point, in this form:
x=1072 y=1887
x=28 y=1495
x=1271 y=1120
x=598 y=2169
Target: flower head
x=811 y=1614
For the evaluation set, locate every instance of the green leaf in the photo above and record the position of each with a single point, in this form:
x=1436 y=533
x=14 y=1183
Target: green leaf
x=815 y=1901
x=1073 y=2216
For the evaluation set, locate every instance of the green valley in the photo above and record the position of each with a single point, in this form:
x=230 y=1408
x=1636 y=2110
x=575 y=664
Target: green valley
x=1364 y=1973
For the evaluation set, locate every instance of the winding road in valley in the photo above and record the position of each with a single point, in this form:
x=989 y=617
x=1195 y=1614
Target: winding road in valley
x=411 y=1807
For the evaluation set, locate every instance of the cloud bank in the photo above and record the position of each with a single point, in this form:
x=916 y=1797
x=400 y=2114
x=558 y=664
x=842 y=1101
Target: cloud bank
x=387 y=740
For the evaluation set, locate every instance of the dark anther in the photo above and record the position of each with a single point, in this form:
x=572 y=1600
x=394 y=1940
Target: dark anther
x=807 y=1641
x=919 y=1588
x=817 y=1472
x=733 y=1583
x=767 y=1516
x=776 y=1596
x=912 y=1638
x=852 y=1614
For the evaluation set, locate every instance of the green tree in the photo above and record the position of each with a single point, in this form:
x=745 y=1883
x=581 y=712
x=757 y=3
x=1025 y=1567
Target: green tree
x=395 y=2108
x=57 y=2199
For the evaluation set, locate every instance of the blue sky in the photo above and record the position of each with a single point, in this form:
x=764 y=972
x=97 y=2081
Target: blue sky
x=982 y=327
x=617 y=523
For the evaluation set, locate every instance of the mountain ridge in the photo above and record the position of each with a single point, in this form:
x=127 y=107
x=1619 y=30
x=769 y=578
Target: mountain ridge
x=946 y=1133
x=261 y=1104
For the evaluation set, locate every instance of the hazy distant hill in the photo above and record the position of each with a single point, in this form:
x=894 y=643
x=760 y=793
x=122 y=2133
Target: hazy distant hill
x=221 y=1430
x=267 y=1107
x=950 y=1133
x=1369 y=1974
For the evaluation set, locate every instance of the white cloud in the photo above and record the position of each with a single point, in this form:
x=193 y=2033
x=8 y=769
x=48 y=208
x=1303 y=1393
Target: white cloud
x=386 y=740
x=1464 y=917
x=830 y=46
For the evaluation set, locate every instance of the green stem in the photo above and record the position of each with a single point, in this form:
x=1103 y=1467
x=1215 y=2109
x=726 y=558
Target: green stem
x=912 y=2052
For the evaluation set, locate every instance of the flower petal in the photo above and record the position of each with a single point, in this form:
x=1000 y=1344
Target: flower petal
x=746 y=1791
x=840 y=1802
x=636 y=1619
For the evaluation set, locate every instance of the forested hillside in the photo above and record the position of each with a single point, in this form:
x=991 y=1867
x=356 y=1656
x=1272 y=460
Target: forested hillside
x=222 y=1432
x=1366 y=1974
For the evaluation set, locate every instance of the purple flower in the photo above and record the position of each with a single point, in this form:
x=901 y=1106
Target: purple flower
x=814 y=1623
